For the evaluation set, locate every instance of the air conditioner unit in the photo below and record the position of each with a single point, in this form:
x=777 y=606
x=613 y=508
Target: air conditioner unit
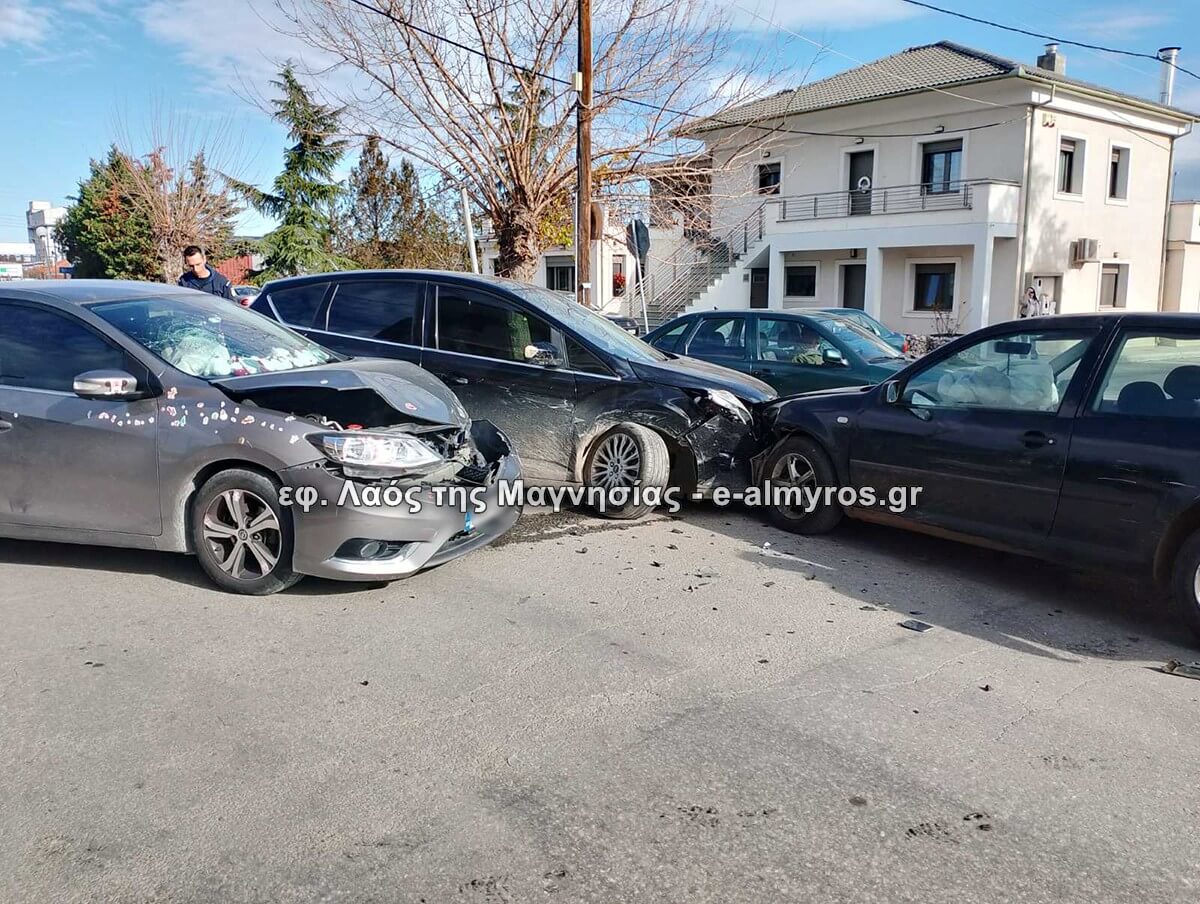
x=1085 y=251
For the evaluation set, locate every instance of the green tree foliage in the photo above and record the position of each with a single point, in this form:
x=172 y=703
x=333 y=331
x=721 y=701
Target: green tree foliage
x=388 y=222
x=104 y=234
x=304 y=195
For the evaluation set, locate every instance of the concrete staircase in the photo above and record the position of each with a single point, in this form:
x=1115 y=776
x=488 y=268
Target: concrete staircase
x=718 y=256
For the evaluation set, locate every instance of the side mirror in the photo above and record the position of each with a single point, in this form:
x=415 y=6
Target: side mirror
x=112 y=385
x=833 y=356
x=543 y=354
x=891 y=392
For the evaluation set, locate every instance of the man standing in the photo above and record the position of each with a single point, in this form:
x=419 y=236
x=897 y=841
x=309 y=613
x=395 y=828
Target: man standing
x=198 y=275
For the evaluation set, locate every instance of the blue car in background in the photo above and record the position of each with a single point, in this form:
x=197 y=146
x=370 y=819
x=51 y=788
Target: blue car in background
x=898 y=341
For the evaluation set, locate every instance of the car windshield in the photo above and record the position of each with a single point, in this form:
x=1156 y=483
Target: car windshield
x=858 y=340
x=210 y=339
x=598 y=330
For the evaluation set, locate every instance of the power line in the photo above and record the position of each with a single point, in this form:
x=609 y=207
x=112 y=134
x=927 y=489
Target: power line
x=1051 y=38
x=658 y=108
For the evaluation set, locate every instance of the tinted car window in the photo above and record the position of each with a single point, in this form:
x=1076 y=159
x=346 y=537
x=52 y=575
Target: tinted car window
x=42 y=349
x=1019 y=372
x=377 y=309
x=298 y=305
x=1153 y=376
x=719 y=338
x=474 y=324
x=579 y=358
x=859 y=340
x=669 y=341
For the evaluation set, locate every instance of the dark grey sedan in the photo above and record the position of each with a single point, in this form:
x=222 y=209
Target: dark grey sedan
x=149 y=416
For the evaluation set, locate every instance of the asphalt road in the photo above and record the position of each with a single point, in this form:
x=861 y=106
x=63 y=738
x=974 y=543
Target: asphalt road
x=597 y=712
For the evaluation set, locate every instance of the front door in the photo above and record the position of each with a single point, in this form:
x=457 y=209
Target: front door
x=475 y=343
x=982 y=432
x=759 y=283
x=854 y=286
x=69 y=462
x=862 y=175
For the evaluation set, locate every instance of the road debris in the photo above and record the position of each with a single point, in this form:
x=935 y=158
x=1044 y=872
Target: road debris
x=913 y=625
x=1182 y=669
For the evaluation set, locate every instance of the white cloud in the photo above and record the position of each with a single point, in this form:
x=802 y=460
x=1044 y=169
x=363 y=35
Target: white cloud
x=20 y=24
x=1118 y=23
x=842 y=15
x=242 y=45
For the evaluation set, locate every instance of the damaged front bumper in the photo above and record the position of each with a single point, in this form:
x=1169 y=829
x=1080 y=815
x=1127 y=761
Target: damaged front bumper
x=721 y=448
x=330 y=538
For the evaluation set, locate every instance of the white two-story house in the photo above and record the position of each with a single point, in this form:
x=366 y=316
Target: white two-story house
x=933 y=188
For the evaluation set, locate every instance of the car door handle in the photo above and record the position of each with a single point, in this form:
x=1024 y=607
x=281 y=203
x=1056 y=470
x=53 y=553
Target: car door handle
x=760 y=373
x=1035 y=439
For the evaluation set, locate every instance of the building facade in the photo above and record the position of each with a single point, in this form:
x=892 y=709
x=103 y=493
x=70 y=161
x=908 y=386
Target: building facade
x=938 y=189
x=41 y=219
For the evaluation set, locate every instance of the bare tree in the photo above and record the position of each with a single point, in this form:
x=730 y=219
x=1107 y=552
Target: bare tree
x=179 y=192
x=503 y=126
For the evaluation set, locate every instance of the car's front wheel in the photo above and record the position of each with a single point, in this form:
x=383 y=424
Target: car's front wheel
x=803 y=486
x=631 y=466
x=241 y=533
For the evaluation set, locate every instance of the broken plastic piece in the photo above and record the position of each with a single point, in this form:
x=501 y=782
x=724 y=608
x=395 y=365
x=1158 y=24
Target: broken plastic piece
x=913 y=625
x=1183 y=669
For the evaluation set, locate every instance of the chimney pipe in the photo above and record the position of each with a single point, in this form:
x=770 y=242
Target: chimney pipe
x=1053 y=60
x=1168 y=55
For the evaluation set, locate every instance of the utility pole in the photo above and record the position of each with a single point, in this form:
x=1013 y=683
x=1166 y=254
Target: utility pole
x=583 y=142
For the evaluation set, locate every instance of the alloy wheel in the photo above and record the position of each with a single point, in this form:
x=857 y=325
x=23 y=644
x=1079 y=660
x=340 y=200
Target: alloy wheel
x=794 y=470
x=242 y=534
x=617 y=463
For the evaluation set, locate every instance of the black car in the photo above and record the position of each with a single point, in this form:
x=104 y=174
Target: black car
x=1074 y=438
x=628 y=324
x=583 y=401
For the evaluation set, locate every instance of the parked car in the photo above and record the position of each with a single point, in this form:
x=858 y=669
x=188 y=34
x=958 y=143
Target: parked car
x=628 y=324
x=862 y=319
x=142 y=415
x=793 y=351
x=584 y=402
x=1074 y=438
x=245 y=295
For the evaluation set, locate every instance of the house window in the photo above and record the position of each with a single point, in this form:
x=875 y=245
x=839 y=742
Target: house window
x=941 y=166
x=800 y=281
x=769 y=176
x=1114 y=283
x=560 y=274
x=1118 y=174
x=933 y=287
x=1070 y=166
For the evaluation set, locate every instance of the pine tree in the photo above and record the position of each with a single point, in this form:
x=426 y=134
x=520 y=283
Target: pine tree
x=388 y=221
x=104 y=234
x=304 y=195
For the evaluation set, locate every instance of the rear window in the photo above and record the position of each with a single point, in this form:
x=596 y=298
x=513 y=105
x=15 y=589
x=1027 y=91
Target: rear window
x=376 y=309
x=298 y=305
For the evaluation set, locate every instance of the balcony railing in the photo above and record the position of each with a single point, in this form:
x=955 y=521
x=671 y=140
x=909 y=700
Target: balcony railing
x=875 y=201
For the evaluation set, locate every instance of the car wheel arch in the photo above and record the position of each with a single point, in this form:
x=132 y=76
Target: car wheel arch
x=597 y=429
x=781 y=437
x=182 y=509
x=1183 y=526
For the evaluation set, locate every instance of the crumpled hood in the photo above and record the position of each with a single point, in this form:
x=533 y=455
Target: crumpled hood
x=335 y=391
x=691 y=373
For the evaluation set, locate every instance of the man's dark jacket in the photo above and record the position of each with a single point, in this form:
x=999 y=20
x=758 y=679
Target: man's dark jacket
x=216 y=284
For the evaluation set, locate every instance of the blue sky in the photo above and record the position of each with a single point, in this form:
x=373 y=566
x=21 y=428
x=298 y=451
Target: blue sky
x=78 y=74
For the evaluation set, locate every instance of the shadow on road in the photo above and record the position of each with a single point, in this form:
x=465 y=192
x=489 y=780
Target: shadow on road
x=1025 y=604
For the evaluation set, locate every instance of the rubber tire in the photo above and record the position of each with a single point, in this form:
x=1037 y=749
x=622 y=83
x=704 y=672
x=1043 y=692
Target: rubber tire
x=656 y=468
x=821 y=520
x=281 y=576
x=1183 y=591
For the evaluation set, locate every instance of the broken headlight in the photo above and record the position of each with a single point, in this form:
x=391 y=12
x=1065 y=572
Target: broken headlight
x=364 y=454
x=722 y=401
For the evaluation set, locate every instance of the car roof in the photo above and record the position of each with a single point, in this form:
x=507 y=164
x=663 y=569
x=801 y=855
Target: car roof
x=1131 y=318
x=452 y=275
x=86 y=291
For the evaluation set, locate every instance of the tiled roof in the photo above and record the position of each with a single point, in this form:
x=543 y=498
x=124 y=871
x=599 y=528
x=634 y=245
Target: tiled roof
x=941 y=65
